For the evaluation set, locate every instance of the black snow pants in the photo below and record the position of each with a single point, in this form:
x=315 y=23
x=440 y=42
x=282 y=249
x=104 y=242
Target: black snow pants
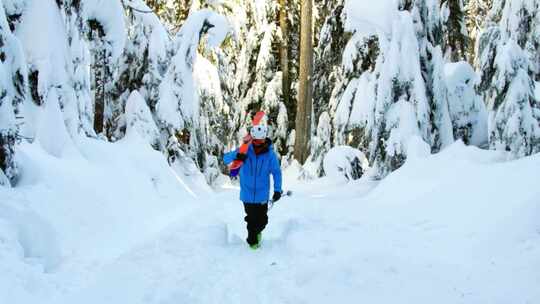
x=256 y=219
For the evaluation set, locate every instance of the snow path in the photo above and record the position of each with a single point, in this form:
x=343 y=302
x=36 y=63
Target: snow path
x=461 y=226
x=337 y=244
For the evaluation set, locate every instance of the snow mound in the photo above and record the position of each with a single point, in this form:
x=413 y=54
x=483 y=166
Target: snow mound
x=104 y=198
x=33 y=239
x=139 y=120
x=345 y=162
x=52 y=134
x=71 y=210
x=417 y=149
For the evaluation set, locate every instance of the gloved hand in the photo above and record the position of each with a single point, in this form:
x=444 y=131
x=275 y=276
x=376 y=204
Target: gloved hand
x=276 y=196
x=241 y=156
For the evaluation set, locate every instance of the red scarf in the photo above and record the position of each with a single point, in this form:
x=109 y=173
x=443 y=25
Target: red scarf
x=260 y=146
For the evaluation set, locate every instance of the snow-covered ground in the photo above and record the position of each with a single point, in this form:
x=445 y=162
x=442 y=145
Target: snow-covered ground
x=113 y=224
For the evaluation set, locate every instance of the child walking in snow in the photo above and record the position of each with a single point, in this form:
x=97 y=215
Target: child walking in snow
x=258 y=163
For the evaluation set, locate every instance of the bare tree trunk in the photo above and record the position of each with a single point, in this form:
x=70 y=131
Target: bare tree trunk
x=98 y=68
x=305 y=94
x=284 y=61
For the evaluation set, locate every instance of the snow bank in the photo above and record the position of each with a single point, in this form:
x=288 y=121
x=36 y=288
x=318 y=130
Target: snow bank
x=71 y=210
x=460 y=226
x=34 y=238
x=345 y=162
x=118 y=190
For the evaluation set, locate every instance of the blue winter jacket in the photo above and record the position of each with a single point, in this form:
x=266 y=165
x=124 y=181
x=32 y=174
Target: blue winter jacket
x=255 y=175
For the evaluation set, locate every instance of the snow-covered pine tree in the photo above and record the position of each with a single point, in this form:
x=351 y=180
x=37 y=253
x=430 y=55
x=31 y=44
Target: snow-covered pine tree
x=249 y=69
x=401 y=110
x=467 y=110
x=13 y=92
x=475 y=18
x=107 y=36
x=357 y=97
x=328 y=57
x=178 y=110
x=213 y=127
x=349 y=77
x=14 y=10
x=293 y=43
x=456 y=39
x=144 y=60
x=14 y=53
x=173 y=12
x=249 y=65
x=77 y=99
x=320 y=145
x=509 y=64
x=354 y=91
x=427 y=17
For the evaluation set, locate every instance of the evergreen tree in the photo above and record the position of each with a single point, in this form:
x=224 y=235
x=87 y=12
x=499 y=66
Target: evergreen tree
x=467 y=109
x=477 y=11
x=145 y=58
x=382 y=102
x=328 y=56
x=178 y=110
x=107 y=38
x=12 y=95
x=353 y=91
x=213 y=127
x=249 y=65
x=456 y=38
x=401 y=109
x=173 y=12
x=430 y=40
x=509 y=65
x=78 y=94
x=320 y=145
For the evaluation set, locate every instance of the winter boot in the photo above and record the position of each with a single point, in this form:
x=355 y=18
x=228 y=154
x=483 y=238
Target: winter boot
x=258 y=244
